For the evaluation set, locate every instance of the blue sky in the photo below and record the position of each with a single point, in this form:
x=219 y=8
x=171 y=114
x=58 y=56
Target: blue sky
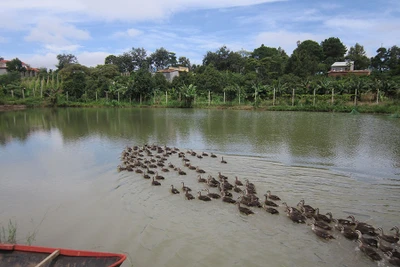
x=36 y=31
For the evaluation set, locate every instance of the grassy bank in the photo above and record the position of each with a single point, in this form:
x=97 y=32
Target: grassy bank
x=387 y=107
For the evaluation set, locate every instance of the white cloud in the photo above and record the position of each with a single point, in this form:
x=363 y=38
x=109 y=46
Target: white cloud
x=49 y=60
x=121 y=9
x=51 y=31
x=285 y=39
x=130 y=33
x=62 y=48
x=3 y=39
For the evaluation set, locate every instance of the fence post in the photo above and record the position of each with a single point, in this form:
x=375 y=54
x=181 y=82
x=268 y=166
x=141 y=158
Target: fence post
x=12 y=93
x=355 y=98
x=209 y=97
x=166 y=98
x=377 y=96
x=23 y=93
x=273 y=99
x=314 y=98
x=333 y=93
x=293 y=97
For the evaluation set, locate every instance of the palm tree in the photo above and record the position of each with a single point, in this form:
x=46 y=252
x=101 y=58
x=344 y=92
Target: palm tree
x=188 y=92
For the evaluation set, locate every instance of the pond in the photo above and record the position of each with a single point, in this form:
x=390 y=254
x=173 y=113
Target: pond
x=59 y=179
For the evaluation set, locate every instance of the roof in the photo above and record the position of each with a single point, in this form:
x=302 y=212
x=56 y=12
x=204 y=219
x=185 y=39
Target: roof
x=343 y=64
x=23 y=64
x=167 y=71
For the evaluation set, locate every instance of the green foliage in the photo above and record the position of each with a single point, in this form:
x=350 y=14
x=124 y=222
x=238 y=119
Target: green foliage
x=334 y=50
x=64 y=60
x=15 y=65
x=305 y=59
x=358 y=55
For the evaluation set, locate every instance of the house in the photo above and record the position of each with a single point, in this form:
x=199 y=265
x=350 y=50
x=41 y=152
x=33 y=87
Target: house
x=172 y=72
x=30 y=72
x=345 y=68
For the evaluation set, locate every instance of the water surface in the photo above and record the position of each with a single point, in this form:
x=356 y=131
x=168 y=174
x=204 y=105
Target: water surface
x=58 y=176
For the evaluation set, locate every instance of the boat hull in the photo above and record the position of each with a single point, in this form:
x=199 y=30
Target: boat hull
x=21 y=255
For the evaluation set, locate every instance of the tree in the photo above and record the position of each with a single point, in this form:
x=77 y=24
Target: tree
x=111 y=59
x=139 y=58
x=74 y=78
x=184 y=62
x=305 y=59
x=15 y=65
x=1 y=58
x=64 y=60
x=379 y=62
x=358 y=55
x=161 y=58
x=334 y=50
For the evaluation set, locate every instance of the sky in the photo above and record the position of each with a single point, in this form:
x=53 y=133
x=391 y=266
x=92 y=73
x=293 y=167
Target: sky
x=36 y=31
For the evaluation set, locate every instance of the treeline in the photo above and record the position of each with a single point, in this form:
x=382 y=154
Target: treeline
x=264 y=75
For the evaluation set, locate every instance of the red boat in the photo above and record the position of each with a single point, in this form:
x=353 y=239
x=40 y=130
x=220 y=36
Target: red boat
x=20 y=255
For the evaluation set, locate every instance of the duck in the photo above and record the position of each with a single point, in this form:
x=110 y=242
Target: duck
x=395 y=228
x=180 y=172
x=174 y=190
x=363 y=227
x=391 y=259
x=191 y=167
x=204 y=154
x=199 y=156
x=368 y=251
x=222 y=190
x=212 y=195
x=388 y=238
x=213 y=155
x=295 y=210
x=138 y=171
x=307 y=208
x=272 y=197
x=269 y=203
x=185 y=188
x=201 y=180
x=321 y=224
x=204 y=198
x=321 y=233
x=150 y=171
x=382 y=246
x=321 y=217
x=238 y=182
x=237 y=189
x=244 y=210
x=146 y=176
x=121 y=168
x=159 y=177
x=222 y=177
x=296 y=216
x=164 y=170
x=155 y=182
x=368 y=241
x=198 y=170
x=223 y=161
x=188 y=196
x=170 y=165
x=227 y=199
x=348 y=232
x=270 y=209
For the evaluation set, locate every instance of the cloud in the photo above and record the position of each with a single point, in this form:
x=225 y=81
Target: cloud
x=129 y=33
x=64 y=48
x=49 y=60
x=125 y=10
x=3 y=39
x=51 y=31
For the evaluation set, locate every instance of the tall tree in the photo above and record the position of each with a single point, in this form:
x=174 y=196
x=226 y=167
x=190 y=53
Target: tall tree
x=334 y=50
x=358 y=55
x=184 y=62
x=305 y=59
x=139 y=58
x=379 y=62
x=15 y=65
x=64 y=60
x=161 y=58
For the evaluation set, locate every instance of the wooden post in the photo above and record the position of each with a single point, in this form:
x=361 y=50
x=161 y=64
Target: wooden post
x=239 y=95
x=293 y=97
x=107 y=96
x=224 y=97
x=166 y=98
x=255 y=96
x=48 y=259
x=118 y=96
x=333 y=93
x=12 y=93
x=96 y=96
x=23 y=93
x=154 y=98
x=355 y=98
x=377 y=96
x=209 y=97
x=41 y=88
x=314 y=98
x=194 y=99
x=67 y=96
x=140 y=99
x=34 y=91
x=273 y=99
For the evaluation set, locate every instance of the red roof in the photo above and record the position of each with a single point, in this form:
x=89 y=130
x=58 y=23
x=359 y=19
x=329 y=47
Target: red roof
x=23 y=64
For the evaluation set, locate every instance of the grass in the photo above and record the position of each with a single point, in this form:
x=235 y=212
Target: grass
x=9 y=234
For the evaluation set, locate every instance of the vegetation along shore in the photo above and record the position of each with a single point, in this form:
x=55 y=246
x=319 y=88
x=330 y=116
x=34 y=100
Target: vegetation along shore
x=264 y=79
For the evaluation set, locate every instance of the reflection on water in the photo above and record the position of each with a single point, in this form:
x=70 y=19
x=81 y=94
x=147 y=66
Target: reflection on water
x=59 y=166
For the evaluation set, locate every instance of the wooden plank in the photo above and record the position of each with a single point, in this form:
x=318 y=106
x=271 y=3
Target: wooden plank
x=49 y=258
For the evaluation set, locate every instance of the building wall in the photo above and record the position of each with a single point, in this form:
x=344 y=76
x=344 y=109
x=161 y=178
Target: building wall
x=3 y=71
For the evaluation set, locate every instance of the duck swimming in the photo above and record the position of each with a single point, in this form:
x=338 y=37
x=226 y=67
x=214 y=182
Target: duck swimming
x=388 y=238
x=321 y=233
x=155 y=182
x=368 y=251
x=244 y=210
x=272 y=197
x=174 y=190
x=204 y=198
x=188 y=196
x=185 y=188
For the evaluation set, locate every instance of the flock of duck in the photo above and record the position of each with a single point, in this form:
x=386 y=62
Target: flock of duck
x=146 y=160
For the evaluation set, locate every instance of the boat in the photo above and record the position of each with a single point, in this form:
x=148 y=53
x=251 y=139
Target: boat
x=22 y=255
